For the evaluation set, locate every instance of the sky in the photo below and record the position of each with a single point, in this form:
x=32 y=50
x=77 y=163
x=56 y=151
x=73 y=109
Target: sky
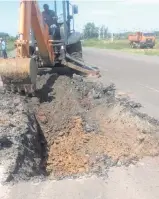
x=117 y=15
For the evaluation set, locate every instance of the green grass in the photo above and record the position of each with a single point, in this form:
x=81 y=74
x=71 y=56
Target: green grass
x=143 y=51
x=122 y=45
x=118 y=44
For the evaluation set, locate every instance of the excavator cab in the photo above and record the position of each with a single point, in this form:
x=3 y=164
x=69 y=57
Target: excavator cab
x=65 y=12
x=66 y=39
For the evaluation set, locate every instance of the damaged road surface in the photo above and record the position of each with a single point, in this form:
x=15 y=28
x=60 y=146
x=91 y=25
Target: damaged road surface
x=20 y=152
x=75 y=139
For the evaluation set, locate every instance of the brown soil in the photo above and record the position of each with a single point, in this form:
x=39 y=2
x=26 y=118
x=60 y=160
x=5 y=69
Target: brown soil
x=73 y=151
x=72 y=127
x=66 y=156
x=118 y=137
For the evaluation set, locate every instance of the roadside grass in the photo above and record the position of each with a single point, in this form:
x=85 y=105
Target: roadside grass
x=150 y=52
x=117 y=44
x=122 y=45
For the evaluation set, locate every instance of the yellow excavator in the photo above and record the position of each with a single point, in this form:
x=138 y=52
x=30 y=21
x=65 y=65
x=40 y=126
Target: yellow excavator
x=36 y=48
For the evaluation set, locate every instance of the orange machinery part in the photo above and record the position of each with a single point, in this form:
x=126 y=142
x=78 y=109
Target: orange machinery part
x=23 y=67
x=31 y=17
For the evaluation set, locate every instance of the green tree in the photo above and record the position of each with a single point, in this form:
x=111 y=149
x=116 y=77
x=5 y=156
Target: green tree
x=90 y=31
x=3 y=34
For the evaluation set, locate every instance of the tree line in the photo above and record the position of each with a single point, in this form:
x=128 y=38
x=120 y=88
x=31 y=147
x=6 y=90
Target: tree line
x=92 y=31
x=6 y=36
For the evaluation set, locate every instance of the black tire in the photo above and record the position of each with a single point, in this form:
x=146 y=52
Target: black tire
x=131 y=46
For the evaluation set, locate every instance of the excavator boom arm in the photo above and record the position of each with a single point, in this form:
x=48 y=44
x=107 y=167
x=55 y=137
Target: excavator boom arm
x=31 y=18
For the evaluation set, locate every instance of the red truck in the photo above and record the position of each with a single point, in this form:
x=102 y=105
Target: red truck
x=142 y=40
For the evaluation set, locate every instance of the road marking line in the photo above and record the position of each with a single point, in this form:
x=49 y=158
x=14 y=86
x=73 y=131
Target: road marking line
x=151 y=88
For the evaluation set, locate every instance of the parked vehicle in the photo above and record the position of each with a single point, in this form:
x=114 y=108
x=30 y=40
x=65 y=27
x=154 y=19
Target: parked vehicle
x=142 y=40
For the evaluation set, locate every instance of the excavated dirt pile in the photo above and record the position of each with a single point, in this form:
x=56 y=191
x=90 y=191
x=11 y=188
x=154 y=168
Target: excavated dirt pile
x=87 y=129
x=72 y=127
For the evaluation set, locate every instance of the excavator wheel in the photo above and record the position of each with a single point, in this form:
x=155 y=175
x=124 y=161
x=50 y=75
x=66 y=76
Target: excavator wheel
x=19 y=75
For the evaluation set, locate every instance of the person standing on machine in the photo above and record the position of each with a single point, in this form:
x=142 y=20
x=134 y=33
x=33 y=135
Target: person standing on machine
x=50 y=18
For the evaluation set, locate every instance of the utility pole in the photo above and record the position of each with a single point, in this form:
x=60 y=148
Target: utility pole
x=112 y=37
x=103 y=31
x=99 y=34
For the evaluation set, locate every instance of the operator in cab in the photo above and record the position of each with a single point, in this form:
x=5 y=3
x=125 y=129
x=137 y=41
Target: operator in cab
x=50 y=18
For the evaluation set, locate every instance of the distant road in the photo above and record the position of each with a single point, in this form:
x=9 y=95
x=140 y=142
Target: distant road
x=136 y=75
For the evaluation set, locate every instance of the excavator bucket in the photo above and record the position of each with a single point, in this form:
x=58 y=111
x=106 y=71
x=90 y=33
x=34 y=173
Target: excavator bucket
x=19 y=74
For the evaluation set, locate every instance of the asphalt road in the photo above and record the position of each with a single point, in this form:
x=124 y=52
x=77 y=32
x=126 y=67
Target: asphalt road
x=135 y=75
x=135 y=182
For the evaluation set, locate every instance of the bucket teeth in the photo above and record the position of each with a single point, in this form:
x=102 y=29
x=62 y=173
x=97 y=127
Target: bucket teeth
x=26 y=89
